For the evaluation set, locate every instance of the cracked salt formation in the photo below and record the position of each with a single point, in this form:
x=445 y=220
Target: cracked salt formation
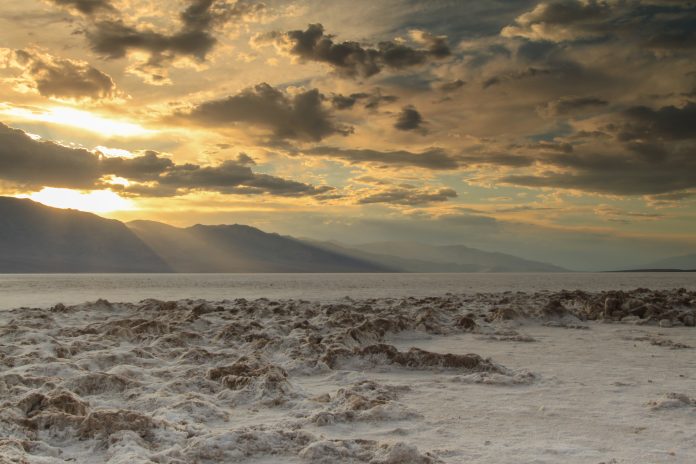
x=413 y=380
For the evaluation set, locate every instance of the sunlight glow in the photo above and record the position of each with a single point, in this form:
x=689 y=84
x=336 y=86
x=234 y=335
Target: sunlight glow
x=80 y=119
x=95 y=201
x=114 y=152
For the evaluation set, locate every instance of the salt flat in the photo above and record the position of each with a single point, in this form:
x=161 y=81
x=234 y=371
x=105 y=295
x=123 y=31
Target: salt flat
x=573 y=377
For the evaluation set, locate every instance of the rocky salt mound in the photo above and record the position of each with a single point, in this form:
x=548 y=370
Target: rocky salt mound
x=262 y=381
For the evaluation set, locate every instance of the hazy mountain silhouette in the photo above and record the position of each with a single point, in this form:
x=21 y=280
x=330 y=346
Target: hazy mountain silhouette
x=239 y=248
x=684 y=262
x=418 y=257
x=35 y=238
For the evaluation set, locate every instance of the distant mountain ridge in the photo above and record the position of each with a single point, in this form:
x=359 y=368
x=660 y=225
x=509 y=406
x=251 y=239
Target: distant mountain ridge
x=39 y=239
x=418 y=257
x=239 y=248
x=683 y=262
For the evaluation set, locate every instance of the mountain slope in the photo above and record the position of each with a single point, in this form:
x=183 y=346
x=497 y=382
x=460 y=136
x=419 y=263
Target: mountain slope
x=685 y=262
x=417 y=257
x=36 y=238
x=238 y=248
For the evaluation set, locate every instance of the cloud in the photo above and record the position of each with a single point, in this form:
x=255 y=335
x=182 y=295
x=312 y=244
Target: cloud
x=144 y=168
x=641 y=151
x=408 y=195
x=515 y=76
x=30 y=164
x=301 y=116
x=654 y=25
x=351 y=59
x=86 y=7
x=561 y=20
x=371 y=100
x=114 y=38
x=666 y=123
x=234 y=176
x=59 y=78
x=450 y=86
x=495 y=158
x=409 y=119
x=613 y=214
x=572 y=106
x=434 y=158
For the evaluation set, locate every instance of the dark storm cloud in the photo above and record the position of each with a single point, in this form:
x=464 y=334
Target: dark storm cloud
x=30 y=165
x=573 y=105
x=113 y=38
x=63 y=78
x=409 y=119
x=301 y=116
x=409 y=196
x=352 y=59
x=435 y=158
x=87 y=7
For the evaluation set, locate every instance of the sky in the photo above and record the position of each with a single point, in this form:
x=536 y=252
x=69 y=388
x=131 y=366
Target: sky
x=561 y=130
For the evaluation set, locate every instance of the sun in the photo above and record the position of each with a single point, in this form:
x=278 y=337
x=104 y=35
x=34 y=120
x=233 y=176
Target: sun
x=80 y=119
x=94 y=201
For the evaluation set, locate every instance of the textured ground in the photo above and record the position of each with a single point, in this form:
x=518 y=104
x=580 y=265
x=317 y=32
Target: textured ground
x=567 y=377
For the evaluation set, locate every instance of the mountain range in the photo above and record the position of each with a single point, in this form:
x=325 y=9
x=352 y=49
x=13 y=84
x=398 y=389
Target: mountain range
x=39 y=239
x=684 y=262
